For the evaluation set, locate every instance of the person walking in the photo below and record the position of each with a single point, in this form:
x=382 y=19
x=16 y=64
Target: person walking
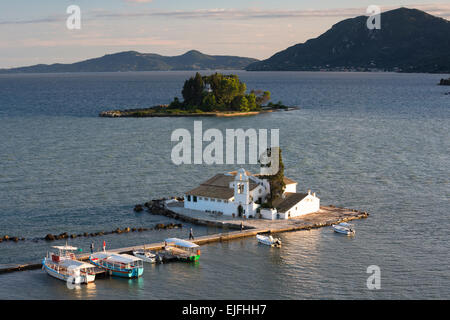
x=104 y=246
x=92 y=247
x=191 y=235
x=242 y=226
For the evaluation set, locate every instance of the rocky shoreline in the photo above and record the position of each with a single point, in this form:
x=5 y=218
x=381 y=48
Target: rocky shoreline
x=65 y=235
x=149 y=112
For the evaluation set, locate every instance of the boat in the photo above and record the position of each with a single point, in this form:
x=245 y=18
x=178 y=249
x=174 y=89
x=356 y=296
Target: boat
x=120 y=265
x=269 y=240
x=64 y=266
x=182 y=250
x=145 y=255
x=344 y=228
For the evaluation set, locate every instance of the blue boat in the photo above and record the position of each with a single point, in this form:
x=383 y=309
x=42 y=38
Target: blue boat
x=119 y=265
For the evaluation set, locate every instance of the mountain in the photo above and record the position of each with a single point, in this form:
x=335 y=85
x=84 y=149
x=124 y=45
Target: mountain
x=135 y=61
x=409 y=40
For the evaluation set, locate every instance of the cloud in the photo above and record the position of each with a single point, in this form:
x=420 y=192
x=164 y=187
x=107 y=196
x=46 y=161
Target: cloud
x=100 y=42
x=442 y=10
x=33 y=21
x=139 y=1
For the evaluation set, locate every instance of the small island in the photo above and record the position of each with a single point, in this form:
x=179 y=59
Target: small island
x=215 y=95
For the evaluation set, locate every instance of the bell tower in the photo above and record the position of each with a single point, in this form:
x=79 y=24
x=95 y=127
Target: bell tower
x=241 y=190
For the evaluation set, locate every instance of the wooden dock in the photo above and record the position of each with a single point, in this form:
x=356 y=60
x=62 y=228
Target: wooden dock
x=327 y=216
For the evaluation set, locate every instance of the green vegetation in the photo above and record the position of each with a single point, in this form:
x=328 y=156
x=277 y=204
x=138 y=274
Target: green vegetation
x=218 y=93
x=276 y=182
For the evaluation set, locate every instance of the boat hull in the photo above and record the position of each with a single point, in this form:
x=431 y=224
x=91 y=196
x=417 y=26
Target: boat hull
x=145 y=258
x=267 y=242
x=342 y=230
x=123 y=273
x=190 y=259
x=82 y=279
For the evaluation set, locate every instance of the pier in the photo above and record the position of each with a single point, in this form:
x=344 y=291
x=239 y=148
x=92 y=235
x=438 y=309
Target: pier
x=326 y=216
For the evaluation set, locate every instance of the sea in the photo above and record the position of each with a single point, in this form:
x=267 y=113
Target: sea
x=376 y=142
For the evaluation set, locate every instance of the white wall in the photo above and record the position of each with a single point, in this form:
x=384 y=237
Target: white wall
x=203 y=205
x=291 y=188
x=256 y=194
x=270 y=214
x=309 y=204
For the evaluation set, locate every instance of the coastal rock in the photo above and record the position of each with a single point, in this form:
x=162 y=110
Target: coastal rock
x=160 y=226
x=118 y=231
x=63 y=235
x=15 y=239
x=86 y=234
x=133 y=229
x=127 y=229
x=138 y=208
x=445 y=82
x=148 y=204
x=73 y=236
x=49 y=237
x=6 y=238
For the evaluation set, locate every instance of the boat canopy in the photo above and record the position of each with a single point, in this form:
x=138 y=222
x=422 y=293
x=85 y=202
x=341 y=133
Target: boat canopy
x=115 y=257
x=181 y=243
x=66 y=247
x=125 y=258
x=69 y=263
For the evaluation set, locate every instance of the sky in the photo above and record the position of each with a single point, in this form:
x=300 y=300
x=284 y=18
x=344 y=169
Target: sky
x=33 y=32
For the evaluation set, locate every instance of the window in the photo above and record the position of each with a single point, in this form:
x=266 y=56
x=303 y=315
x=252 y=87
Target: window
x=218 y=200
x=188 y=198
x=195 y=198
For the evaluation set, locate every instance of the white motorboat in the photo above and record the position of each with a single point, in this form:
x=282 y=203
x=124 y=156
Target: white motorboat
x=64 y=266
x=344 y=228
x=269 y=240
x=145 y=255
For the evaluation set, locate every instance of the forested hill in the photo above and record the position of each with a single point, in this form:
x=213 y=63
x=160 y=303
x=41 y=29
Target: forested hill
x=409 y=40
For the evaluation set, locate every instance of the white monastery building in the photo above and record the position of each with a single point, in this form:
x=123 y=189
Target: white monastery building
x=241 y=194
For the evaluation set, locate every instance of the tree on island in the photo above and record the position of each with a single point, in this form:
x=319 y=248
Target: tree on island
x=276 y=182
x=219 y=92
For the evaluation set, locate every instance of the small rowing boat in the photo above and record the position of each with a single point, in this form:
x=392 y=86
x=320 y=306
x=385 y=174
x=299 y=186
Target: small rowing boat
x=344 y=228
x=120 y=265
x=64 y=266
x=269 y=240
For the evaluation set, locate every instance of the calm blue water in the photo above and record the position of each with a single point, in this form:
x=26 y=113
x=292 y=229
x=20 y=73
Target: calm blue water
x=372 y=141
